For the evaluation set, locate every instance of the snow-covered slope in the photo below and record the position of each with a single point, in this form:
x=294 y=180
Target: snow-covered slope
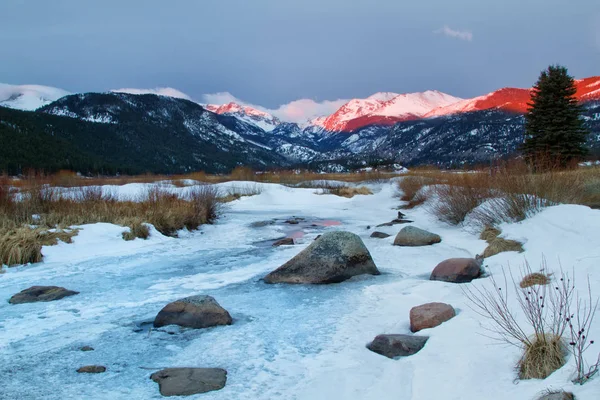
x=28 y=97
x=384 y=109
x=261 y=119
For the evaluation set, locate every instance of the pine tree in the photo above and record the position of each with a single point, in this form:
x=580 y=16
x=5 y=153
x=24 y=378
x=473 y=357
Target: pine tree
x=554 y=129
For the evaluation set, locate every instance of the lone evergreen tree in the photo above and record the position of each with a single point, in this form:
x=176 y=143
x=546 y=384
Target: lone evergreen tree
x=553 y=128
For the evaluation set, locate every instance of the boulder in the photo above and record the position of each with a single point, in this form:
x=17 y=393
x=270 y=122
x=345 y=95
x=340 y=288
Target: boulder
x=189 y=381
x=92 y=369
x=41 y=293
x=413 y=236
x=284 y=242
x=396 y=345
x=379 y=235
x=193 y=312
x=457 y=270
x=430 y=315
x=294 y=220
x=332 y=258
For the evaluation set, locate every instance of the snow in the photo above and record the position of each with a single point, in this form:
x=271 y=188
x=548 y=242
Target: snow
x=287 y=341
x=29 y=97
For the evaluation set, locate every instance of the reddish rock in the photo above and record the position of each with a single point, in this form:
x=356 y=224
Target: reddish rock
x=457 y=270
x=284 y=242
x=430 y=315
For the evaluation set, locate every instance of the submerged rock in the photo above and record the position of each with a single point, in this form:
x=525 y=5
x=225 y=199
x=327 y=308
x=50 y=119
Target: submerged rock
x=395 y=345
x=413 y=236
x=87 y=348
x=189 y=381
x=92 y=369
x=41 y=293
x=430 y=315
x=193 y=312
x=379 y=235
x=457 y=270
x=332 y=258
x=284 y=242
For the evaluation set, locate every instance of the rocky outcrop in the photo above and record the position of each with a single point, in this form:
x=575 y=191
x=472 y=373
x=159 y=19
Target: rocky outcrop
x=393 y=346
x=189 y=381
x=193 y=312
x=41 y=293
x=379 y=235
x=457 y=270
x=430 y=315
x=413 y=236
x=332 y=258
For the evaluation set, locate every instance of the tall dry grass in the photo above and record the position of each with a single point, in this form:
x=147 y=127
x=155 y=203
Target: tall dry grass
x=46 y=208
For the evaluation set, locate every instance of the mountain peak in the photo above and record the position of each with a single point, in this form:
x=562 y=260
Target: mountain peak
x=29 y=97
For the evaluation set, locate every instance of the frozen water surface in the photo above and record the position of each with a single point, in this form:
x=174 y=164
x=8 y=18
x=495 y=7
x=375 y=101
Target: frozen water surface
x=287 y=341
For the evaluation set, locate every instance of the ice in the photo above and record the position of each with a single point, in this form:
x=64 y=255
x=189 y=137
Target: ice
x=287 y=341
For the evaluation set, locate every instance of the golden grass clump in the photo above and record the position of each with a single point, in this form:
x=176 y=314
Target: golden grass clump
x=489 y=233
x=24 y=245
x=137 y=230
x=411 y=185
x=500 y=245
x=542 y=356
x=347 y=191
x=535 y=278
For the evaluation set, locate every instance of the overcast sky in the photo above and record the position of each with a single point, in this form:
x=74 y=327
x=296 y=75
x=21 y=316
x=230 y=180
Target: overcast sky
x=271 y=52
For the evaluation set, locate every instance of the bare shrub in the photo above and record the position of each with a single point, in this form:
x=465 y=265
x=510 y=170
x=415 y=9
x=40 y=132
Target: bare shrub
x=454 y=203
x=236 y=193
x=552 y=322
x=411 y=185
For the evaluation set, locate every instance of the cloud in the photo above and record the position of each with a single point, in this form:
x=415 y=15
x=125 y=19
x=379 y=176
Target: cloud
x=161 y=91
x=462 y=35
x=296 y=111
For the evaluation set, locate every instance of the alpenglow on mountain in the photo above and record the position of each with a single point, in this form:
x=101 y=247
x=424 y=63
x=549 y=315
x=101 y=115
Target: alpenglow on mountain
x=47 y=128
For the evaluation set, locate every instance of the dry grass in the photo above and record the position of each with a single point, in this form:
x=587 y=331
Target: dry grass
x=137 y=230
x=500 y=245
x=535 y=278
x=544 y=354
x=24 y=245
x=506 y=193
x=558 y=395
x=236 y=193
x=489 y=233
x=46 y=208
x=347 y=191
x=411 y=185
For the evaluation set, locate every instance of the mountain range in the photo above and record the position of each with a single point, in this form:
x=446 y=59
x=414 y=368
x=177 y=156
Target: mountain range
x=49 y=128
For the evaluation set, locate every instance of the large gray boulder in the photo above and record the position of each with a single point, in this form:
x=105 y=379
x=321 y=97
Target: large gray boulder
x=395 y=345
x=41 y=293
x=193 y=312
x=332 y=258
x=457 y=270
x=413 y=236
x=189 y=381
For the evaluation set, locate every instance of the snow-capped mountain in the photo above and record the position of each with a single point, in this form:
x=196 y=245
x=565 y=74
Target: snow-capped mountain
x=28 y=97
x=251 y=115
x=384 y=109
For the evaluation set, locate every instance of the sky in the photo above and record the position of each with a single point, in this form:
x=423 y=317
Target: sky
x=273 y=52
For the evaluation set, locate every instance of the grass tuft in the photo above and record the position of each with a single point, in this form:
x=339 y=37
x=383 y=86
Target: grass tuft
x=500 y=245
x=535 y=278
x=347 y=191
x=137 y=230
x=542 y=356
x=24 y=245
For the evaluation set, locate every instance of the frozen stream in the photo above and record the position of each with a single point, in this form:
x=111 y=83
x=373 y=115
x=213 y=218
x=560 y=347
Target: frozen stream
x=286 y=342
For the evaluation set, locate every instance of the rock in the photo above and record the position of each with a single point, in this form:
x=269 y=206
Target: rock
x=401 y=215
x=457 y=270
x=413 y=236
x=394 y=345
x=189 y=381
x=395 y=222
x=294 y=220
x=193 y=312
x=260 y=224
x=284 y=242
x=379 y=235
x=384 y=224
x=334 y=257
x=87 y=348
x=41 y=293
x=430 y=315
x=92 y=369
x=368 y=227
x=557 y=395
